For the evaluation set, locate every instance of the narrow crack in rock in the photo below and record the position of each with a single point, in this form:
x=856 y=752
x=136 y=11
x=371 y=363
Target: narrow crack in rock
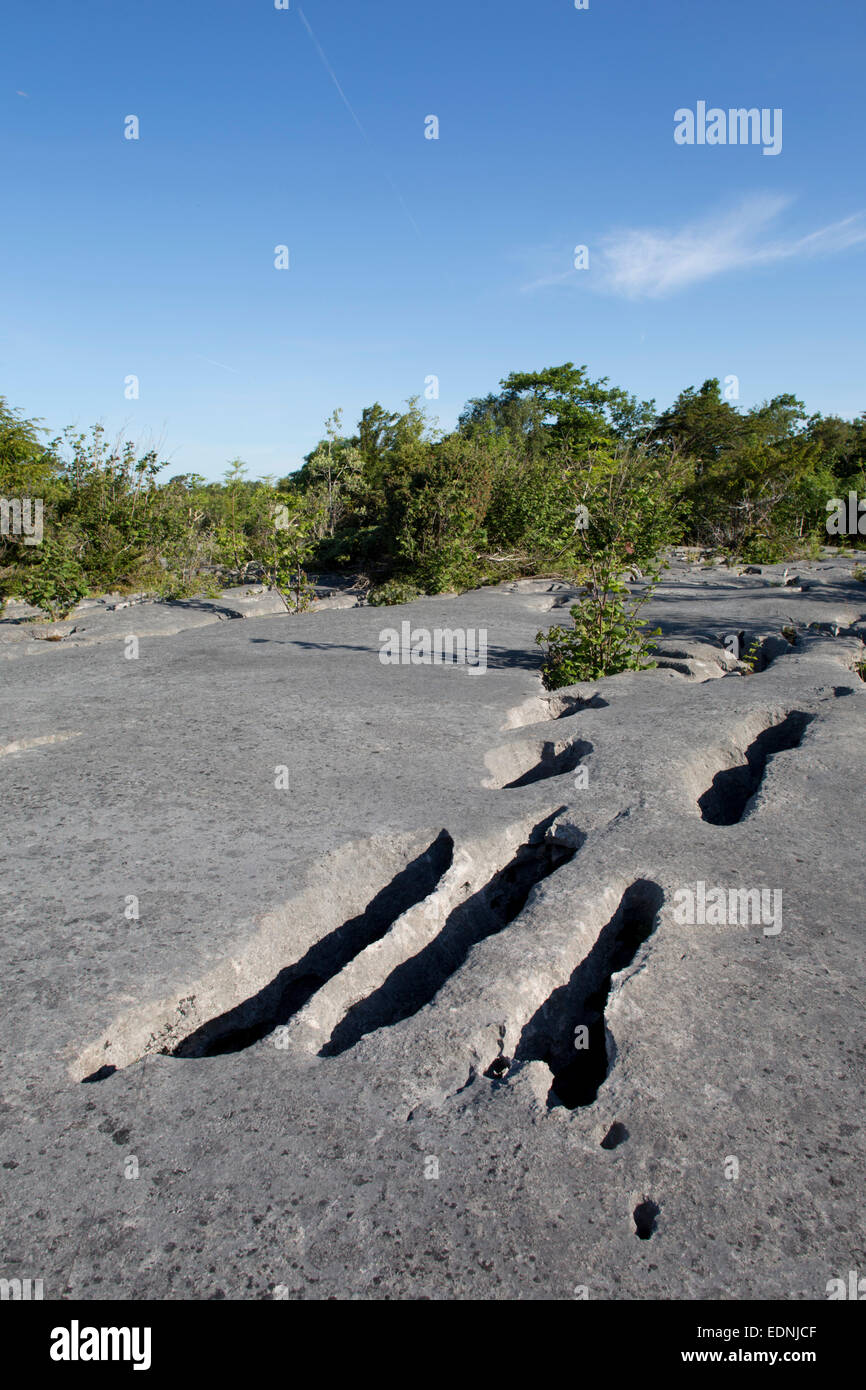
x=280 y=1000
x=416 y=982
x=727 y=800
x=569 y=1032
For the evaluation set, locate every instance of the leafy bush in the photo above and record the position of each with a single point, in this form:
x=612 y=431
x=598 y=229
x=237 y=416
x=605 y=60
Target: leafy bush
x=627 y=511
x=56 y=582
x=496 y=498
x=285 y=548
x=606 y=637
x=173 y=588
x=393 y=591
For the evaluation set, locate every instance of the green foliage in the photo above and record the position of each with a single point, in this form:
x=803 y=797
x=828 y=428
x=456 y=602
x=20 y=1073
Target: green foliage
x=442 y=521
x=393 y=591
x=332 y=475
x=568 y=407
x=631 y=511
x=56 y=582
x=498 y=497
x=607 y=637
x=109 y=505
x=173 y=587
x=287 y=545
x=531 y=508
x=761 y=478
x=750 y=656
x=762 y=550
x=27 y=466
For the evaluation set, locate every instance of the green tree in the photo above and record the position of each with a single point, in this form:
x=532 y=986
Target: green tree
x=700 y=424
x=575 y=411
x=333 y=467
x=628 y=511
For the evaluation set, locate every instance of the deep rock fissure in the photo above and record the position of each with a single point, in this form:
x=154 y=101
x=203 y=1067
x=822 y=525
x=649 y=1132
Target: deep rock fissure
x=574 y=1014
x=417 y=981
x=726 y=800
x=273 y=1005
x=771 y=648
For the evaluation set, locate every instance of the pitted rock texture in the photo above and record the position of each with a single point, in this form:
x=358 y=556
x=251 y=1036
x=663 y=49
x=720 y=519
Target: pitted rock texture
x=369 y=981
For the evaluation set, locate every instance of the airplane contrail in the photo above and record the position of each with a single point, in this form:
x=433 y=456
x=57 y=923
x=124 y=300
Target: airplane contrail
x=349 y=108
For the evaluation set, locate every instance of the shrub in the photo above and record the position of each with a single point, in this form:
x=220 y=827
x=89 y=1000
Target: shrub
x=286 y=547
x=629 y=512
x=56 y=582
x=393 y=591
x=173 y=588
x=607 y=637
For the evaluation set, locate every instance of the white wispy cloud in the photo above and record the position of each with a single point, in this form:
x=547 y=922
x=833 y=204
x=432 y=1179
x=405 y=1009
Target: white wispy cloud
x=650 y=263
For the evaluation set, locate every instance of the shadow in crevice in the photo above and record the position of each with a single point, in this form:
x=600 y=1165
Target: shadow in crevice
x=546 y=709
x=101 y=1074
x=553 y=763
x=416 y=982
x=203 y=605
x=568 y=1032
x=577 y=703
x=278 y=1001
x=725 y=802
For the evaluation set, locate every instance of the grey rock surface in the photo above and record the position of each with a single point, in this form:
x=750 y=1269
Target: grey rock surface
x=328 y=935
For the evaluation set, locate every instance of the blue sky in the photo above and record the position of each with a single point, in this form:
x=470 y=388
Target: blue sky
x=412 y=257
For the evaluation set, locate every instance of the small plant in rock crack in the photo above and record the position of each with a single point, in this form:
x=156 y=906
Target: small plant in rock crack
x=750 y=656
x=606 y=637
x=859 y=573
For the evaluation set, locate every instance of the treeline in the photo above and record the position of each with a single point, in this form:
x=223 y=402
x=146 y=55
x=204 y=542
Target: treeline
x=535 y=477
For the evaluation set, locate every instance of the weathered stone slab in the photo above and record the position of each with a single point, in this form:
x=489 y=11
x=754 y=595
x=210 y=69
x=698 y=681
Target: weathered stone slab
x=337 y=925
